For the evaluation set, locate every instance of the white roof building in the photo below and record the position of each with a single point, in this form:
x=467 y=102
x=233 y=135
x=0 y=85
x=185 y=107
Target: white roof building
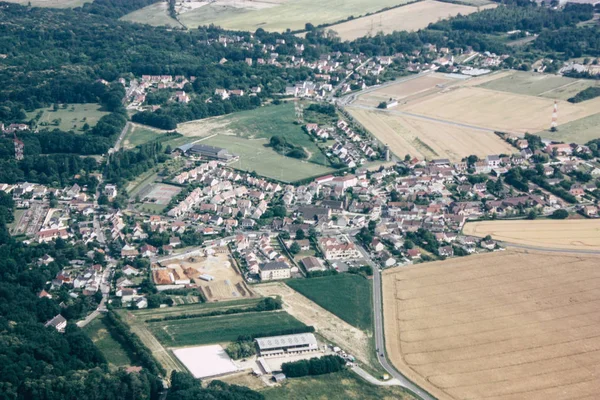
x=278 y=345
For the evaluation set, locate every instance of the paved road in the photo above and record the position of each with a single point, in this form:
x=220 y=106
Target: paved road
x=372 y=380
x=379 y=332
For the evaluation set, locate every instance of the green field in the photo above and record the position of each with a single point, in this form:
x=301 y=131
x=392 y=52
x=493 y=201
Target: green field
x=51 y=3
x=254 y=156
x=112 y=350
x=156 y=14
x=71 y=118
x=293 y=14
x=347 y=296
x=579 y=131
x=142 y=315
x=338 y=386
x=219 y=329
x=535 y=84
x=261 y=123
x=140 y=134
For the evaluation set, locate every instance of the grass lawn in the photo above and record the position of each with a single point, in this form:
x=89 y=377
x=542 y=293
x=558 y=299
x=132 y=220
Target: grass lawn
x=544 y=85
x=338 y=386
x=18 y=213
x=144 y=314
x=112 y=350
x=150 y=208
x=254 y=156
x=71 y=118
x=221 y=328
x=579 y=131
x=156 y=14
x=345 y=295
x=140 y=134
x=261 y=123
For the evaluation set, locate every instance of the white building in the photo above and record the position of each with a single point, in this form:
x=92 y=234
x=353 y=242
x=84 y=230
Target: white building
x=287 y=344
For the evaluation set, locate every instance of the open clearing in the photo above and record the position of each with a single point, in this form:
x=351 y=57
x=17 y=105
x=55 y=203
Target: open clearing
x=426 y=139
x=156 y=14
x=500 y=326
x=255 y=156
x=227 y=283
x=112 y=350
x=221 y=328
x=276 y=15
x=73 y=117
x=140 y=134
x=439 y=116
x=326 y=324
x=347 y=296
x=411 y=17
x=51 y=3
x=535 y=84
x=579 y=234
x=579 y=131
x=337 y=386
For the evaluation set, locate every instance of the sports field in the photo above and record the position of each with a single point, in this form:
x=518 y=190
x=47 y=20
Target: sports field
x=426 y=139
x=277 y=15
x=411 y=17
x=51 y=3
x=222 y=328
x=347 y=296
x=500 y=326
x=112 y=350
x=73 y=117
x=575 y=234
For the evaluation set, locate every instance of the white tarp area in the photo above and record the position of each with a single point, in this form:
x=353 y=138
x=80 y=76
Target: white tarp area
x=205 y=361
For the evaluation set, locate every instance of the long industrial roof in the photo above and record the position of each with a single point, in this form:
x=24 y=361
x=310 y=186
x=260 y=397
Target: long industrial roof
x=275 y=342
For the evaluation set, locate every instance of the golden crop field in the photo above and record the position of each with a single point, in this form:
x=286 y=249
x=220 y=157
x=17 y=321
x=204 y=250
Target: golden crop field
x=500 y=326
x=575 y=234
x=502 y=111
x=411 y=17
x=410 y=87
x=427 y=139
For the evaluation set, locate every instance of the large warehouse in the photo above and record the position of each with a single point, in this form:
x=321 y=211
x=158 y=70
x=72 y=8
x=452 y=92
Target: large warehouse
x=287 y=344
x=206 y=152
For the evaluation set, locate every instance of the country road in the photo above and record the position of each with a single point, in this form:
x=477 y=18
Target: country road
x=379 y=331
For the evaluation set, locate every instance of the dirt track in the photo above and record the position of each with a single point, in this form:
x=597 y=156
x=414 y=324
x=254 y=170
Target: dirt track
x=501 y=326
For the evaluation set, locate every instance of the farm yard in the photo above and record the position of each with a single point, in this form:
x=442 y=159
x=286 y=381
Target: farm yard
x=347 y=296
x=427 y=139
x=328 y=325
x=274 y=15
x=411 y=17
x=221 y=328
x=580 y=234
x=439 y=116
x=69 y=116
x=463 y=328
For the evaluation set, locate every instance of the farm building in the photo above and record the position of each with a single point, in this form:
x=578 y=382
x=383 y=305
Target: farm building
x=287 y=344
x=205 y=152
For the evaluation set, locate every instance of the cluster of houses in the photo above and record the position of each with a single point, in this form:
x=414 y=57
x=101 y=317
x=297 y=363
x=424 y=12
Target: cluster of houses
x=137 y=90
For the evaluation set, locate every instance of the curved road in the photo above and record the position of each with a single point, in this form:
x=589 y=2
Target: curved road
x=379 y=332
